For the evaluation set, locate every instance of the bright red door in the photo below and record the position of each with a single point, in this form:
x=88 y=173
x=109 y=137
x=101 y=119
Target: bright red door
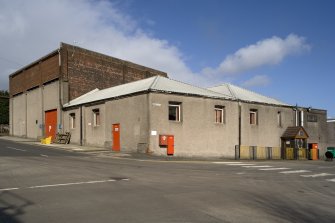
x=51 y=123
x=116 y=137
x=170 y=145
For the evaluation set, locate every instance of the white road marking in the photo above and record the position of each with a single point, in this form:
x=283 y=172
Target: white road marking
x=225 y=162
x=318 y=175
x=296 y=171
x=256 y=166
x=8 y=189
x=69 y=184
x=331 y=180
x=240 y=164
x=276 y=168
x=22 y=150
x=44 y=155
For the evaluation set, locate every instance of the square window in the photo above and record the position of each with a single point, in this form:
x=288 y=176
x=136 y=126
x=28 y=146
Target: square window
x=96 y=117
x=174 y=111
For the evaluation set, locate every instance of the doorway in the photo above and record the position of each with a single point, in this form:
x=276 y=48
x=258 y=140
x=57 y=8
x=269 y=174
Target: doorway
x=116 y=137
x=51 y=123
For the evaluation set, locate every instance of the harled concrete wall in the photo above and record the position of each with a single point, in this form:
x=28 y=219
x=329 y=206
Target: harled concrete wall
x=197 y=134
x=27 y=110
x=266 y=132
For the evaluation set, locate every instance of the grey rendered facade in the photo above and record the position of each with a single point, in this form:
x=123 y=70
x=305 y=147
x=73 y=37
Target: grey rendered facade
x=143 y=116
x=211 y=122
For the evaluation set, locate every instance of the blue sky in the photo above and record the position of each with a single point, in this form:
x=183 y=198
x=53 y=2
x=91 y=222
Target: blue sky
x=279 y=48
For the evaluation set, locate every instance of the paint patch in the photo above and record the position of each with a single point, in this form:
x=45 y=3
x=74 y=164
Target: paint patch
x=318 y=175
x=9 y=189
x=296 y=171
x=277 y=168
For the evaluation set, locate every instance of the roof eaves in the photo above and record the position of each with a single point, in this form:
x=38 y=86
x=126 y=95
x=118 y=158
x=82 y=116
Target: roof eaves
x=54 y=52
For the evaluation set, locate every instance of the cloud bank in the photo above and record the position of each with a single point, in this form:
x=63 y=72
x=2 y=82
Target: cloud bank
x=31 y=29
x=265 y=52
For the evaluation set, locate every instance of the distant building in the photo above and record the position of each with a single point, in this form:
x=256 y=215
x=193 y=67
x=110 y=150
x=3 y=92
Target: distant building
x=106 y=102
x=331 y=132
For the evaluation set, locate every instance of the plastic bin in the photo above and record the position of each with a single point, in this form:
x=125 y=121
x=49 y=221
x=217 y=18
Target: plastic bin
x=332 y=150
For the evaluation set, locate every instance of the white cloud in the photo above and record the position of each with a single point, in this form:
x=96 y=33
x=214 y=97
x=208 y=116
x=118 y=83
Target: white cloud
x=31 y=29
x=257 y=81
x=265 y=52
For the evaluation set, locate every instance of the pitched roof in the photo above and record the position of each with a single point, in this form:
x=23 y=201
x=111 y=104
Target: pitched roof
x=245 y=95
x=295 y=132
x=153 y=84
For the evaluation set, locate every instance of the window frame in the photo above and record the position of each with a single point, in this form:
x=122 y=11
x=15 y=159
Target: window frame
x=177 y=106
x=96 y=117
x=72 y=120
x=253 y=112
x=221 y=109
x=279 y=119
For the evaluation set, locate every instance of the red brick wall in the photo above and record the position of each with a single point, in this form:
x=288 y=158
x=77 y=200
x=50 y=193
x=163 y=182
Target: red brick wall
x=86 y=70
x=34 y=75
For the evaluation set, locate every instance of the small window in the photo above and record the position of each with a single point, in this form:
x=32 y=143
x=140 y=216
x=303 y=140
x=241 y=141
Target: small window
x=253 y=117
x=174 y=111
x=312 y=118
x=219 y=112
x=96 y=117
x=72 y=120
x=279 y=119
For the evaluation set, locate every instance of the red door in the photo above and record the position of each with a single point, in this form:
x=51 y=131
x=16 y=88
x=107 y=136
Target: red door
x=51 y=123
x=116 y=137
x=170 y=145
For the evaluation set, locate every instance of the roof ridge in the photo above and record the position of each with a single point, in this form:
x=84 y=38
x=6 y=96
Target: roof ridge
x=231 y=90
x=154 y=82
x=257 y=93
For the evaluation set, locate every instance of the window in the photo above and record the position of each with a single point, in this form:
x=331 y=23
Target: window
x=72 y=120
x=253 y=117
x=174 y=111
x=279 y=119
x=312 y=118
x=219 y=113
x=96 y=117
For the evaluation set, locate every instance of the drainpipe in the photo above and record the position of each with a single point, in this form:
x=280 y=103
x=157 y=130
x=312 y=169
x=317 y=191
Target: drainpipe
x=239 y=124
x=81 y=125
x=301 y=118
x=296 y=115
x=60 y=89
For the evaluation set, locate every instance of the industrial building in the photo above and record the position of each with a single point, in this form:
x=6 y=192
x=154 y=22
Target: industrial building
x=106 y=102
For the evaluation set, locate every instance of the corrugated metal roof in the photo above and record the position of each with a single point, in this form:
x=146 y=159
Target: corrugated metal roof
x=242 y=94
x=157 y=83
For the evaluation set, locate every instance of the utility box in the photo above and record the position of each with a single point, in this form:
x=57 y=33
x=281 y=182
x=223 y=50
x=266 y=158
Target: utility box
x=170 y=145
x=163 y=140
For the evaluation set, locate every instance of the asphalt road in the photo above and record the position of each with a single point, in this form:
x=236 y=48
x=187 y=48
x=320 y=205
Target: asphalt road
x=39 y=184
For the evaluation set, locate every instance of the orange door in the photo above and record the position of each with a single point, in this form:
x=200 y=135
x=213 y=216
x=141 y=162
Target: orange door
x=116 y=137
x=51 y=123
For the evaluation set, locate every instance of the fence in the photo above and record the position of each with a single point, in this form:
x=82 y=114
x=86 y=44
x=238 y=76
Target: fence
x=4 y=129
x=257 y=152
x=269 y=153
